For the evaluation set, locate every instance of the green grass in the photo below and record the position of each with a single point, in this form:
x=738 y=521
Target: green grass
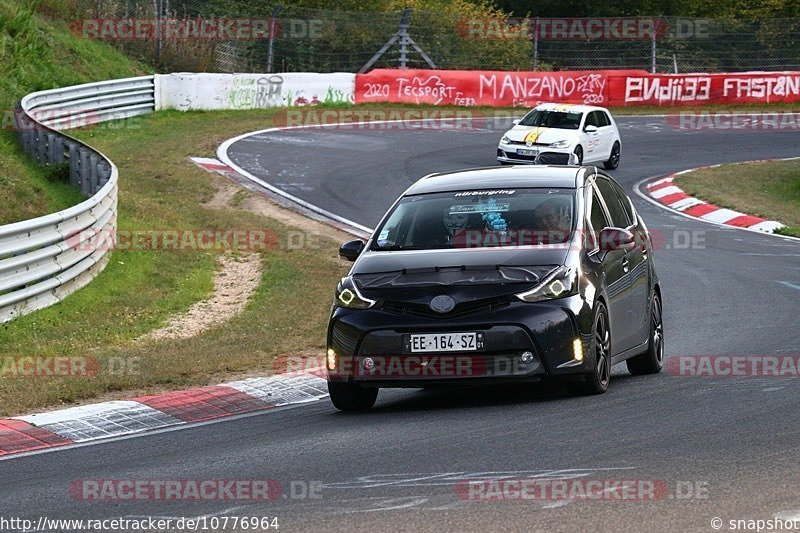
x=139 y=290
x=38 y=53
x=770 y=190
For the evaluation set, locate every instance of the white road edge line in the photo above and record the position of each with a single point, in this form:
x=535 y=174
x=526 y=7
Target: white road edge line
x=222 y=155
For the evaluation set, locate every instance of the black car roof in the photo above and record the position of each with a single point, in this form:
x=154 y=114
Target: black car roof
x=512 y=177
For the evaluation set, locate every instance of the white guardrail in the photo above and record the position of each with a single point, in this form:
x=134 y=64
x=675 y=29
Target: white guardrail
x=42 y=260
x=45 y=259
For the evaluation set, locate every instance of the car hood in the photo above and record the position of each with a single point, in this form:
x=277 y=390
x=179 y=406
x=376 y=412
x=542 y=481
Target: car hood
x=465 y=274
x=539 y=134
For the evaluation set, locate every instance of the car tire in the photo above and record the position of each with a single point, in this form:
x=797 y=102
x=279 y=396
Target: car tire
x=651 y=361
x=351 y=397
x=613 y=159
x=597 y=381
x=579 y=154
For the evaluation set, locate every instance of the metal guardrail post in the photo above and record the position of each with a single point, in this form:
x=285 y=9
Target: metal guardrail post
x=84 y=170
x=27 y=136
x=104 y=172
x=94 y=175
x=41 y=147
x=56 y=146
x=74 y=164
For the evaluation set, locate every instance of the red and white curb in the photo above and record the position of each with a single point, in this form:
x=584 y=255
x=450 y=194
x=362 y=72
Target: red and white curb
x=665 y=192
x=106 y=420
x=210 y=164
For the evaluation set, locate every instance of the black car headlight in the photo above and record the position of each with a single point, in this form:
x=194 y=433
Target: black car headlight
x=347 y=296
x=559 y=283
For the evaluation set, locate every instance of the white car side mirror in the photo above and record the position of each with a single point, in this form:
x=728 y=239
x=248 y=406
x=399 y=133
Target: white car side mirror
x=590 y=129
x=515 y=121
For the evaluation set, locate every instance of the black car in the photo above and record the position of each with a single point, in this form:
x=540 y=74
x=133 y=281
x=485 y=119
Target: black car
x=497 y=275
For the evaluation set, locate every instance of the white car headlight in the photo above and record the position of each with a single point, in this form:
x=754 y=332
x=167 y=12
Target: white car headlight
x=559 y=144
x=561 y=282
x=347 y=296
x=505 y=139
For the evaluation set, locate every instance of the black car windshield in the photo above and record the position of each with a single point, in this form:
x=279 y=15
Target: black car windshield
x=479 y=219
x=564 y=120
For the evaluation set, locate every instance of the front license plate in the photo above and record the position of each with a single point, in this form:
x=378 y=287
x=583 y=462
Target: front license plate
x=527 y=152
x=444 y=342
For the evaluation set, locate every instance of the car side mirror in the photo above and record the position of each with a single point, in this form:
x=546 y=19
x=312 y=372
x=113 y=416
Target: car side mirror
x=589 y=128
x=516 y=121
x=351 y=250
x=616 y=239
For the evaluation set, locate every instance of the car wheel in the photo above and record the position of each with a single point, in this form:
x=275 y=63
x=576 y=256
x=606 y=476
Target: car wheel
x=651 y=361
x=351 y=397
x=597 y=381
x=613 y=159
x=578 y=155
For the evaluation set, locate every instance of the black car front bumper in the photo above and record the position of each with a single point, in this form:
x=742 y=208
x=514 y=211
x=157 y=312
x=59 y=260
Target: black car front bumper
x=371 y=346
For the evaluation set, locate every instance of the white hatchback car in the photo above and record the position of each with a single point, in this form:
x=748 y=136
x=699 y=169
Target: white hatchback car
x=562 y=134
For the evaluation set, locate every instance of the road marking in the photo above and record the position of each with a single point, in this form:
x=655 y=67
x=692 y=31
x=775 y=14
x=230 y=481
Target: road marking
x=389 y=505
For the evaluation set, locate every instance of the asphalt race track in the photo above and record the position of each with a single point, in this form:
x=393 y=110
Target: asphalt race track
x=726 y=291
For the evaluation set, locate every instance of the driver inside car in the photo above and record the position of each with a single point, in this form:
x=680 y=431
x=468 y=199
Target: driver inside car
x=550 y=221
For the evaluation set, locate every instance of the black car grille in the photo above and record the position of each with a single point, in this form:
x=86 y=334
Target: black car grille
x=512 y=155
x=544 y=158
x=460 y=310
x=344 y=338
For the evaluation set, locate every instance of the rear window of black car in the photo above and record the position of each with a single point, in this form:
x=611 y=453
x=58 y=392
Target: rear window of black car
x=479 y=219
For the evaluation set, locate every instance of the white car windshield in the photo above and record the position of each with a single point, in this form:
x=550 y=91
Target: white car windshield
x=479 y=219
x=564 y=120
